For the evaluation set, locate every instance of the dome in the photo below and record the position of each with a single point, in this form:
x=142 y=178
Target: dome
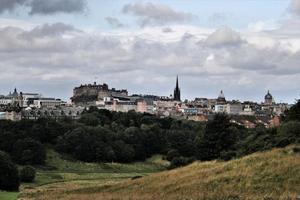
x=221 y=98
x=221 y=95
x=268 y=95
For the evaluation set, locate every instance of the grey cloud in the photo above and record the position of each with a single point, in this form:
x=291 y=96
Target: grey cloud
x=167 y=30
x=155 y=14
x=10 y=5
x=56 y=29
x=114 y=22
x=46 y=56
x=295 y=7
x=224 y=37
x=57 y=6
x=45 y=7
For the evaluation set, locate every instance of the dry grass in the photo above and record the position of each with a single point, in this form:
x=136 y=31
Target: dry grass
x=270 y=175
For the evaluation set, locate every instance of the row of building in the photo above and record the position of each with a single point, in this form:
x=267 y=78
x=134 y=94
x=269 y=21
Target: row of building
x=119 y=100
x=33 y=105
x=32 y=100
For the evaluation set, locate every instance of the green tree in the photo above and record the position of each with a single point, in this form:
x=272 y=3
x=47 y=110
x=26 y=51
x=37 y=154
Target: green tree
x=288 y=133
x=294 y=112
x=9 y=176
x=27 y=174
x=29 y=152
x=217 y=138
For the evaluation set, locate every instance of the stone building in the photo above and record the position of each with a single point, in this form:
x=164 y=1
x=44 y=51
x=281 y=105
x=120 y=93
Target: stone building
x=89 y=94
x=269 y=99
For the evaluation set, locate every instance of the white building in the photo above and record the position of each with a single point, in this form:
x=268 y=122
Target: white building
x=220 y=108
x=234 y=108
x=46 y=103
x=5 y=101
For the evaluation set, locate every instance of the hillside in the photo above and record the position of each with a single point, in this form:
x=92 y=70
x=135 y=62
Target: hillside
x=61 y=173
x=269 y=175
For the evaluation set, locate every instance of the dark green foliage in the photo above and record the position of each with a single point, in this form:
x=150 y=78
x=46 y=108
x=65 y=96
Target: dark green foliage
x=104 y=136
x=173 y=153
x=90 y=119
x=294 y=112
x=288 y=133
x=27 y=174
x=29 y=151
x=181 y=161
x=9 y=176
x=218 y=137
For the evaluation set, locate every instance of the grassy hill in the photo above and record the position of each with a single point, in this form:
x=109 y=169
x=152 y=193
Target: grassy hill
x=61 y=174
x=268 y=175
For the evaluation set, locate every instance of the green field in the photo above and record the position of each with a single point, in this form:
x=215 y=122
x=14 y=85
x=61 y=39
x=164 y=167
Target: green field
x=8 y=195
x=61 y=173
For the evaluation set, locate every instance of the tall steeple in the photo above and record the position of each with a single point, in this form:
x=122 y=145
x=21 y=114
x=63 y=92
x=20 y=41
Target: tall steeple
x=177 y=91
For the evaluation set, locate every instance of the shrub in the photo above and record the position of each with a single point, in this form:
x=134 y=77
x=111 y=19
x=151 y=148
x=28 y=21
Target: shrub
x=181 y=161
x=9 y=176
x=173 y=153
x=27 y=174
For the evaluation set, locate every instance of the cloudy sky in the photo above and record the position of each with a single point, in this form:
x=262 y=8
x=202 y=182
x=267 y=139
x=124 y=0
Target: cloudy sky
x=243 y=47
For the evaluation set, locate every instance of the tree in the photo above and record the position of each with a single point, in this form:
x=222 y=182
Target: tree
x=90 y=119
x=9 y=176
x=27 y=174
x=217 y=138
x=124 y=152
x=294 y=112
x=288 y=133
x=29 y=152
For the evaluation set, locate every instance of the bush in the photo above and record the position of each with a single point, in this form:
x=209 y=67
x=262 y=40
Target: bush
x=9 y=176
x=181 y=161
x=27 y=174
x=173 y=153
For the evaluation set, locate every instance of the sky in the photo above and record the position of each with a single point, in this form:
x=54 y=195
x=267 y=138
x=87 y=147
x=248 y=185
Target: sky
x=243 y=47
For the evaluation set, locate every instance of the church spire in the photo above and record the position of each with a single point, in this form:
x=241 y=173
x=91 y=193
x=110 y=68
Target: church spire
x=177 y=91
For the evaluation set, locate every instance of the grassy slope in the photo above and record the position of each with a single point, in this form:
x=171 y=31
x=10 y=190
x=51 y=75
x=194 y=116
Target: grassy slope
x=269 y=175
x=68 y=174
x=8 y=195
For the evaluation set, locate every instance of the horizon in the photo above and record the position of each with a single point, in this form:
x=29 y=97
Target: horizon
x=52 y=47
x=130 y=93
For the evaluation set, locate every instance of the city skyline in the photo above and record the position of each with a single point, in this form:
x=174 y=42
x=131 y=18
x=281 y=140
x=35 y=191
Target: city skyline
x=51 y=46
x=175 y=95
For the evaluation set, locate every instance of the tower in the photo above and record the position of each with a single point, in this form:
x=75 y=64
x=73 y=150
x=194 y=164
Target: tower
x=177 y=91
x=221 y=98
x=269 y=98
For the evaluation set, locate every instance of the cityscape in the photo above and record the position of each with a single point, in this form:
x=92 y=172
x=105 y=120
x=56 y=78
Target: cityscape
x=18 y=105
x=149 y=100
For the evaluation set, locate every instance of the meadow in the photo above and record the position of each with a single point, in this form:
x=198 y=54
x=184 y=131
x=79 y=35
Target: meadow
x=61 y=174
x=268 y=175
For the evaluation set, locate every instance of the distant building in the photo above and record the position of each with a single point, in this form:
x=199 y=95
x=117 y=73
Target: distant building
x=46 y=103
x=234 y=108
x=177 y=91
x=269 y=99
x=10 y=115
x=87 y=95
x=220 y=106
x=24 y=100
x=221 y=98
